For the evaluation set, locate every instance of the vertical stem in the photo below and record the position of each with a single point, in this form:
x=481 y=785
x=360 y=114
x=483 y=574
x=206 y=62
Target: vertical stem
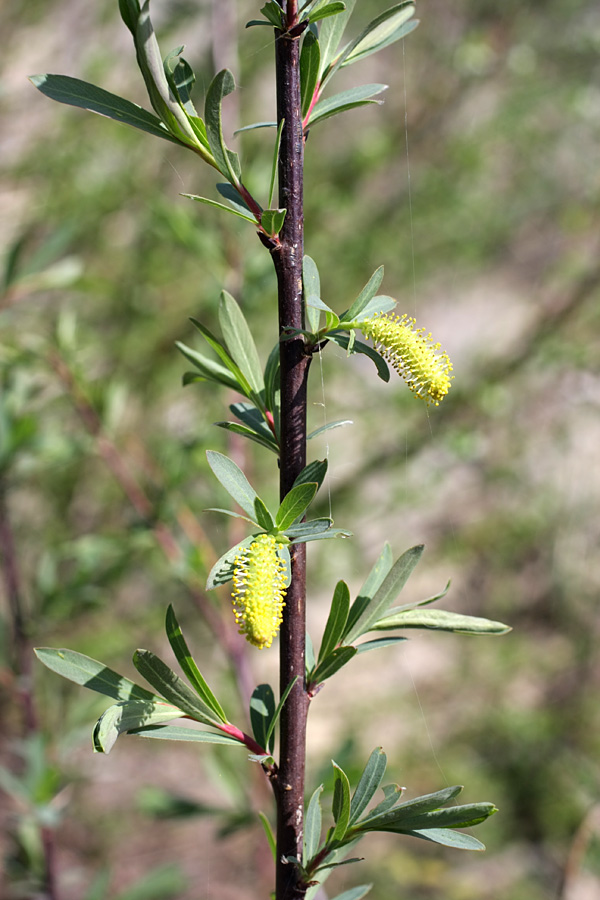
x=287 y=258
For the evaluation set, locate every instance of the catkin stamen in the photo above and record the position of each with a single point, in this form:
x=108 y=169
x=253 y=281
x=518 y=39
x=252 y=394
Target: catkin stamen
x=258 y=591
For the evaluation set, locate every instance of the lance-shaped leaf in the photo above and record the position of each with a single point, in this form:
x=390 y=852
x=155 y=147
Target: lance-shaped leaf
x=314 y=471
x=74 y=92
x=326 y=534
x=391 y=26
x=346 y=100
x=275 y=718
x=448 y=838
x=373 y=582
x=416 y=807
x=181 y=79
x=173 y=688
x=208 y=368
x=249 y=433
x=217 y=346
x=366 y=295
x=324 y=11
x=294 y=504
x=179 y=733
x=188 y=664
x=272 y=11
x=228 y=191
x=368 y=783
x=254 y=419
x=233 y=480
x=90 y=673
x=391 y=794
x=222 y=571
x=331 y=664
x=360 y=347
x=336 y=621
x=240 y=343
x=310 y=58
x=216 y=205
x=330 y=35
x=130 y=714
x=312 y=288
x=304 y=530
x=312 y=826
x=356 y=893
x=386 y=593
x=465 y=816
x=227 y=162
x=440 y=620
x=379 y=643
x=262 y=710
x=330 y=425
x=341 y=803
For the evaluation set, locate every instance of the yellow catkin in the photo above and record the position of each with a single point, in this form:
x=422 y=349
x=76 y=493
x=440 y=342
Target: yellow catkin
x=258 y=591
x=413 y=355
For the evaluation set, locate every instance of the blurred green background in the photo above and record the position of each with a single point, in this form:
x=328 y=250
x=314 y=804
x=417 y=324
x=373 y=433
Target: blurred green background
x=477 y=185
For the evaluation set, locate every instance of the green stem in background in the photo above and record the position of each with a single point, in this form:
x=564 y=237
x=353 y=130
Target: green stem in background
x=287 y=258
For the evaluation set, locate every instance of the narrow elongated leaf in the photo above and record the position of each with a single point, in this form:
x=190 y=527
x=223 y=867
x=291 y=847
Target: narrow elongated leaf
x=412 y=808
x=448 y=838
x=224 y=356
x=417 y=603
x=228 y=191
x=267 y=826
x=275 y=162
x=74 y=92
x=229 y=209
x=181 y=79
x=377 y=306
x=172 y=687
x=228 y=163
x=366 y=295
x=390 y=31
x=310 y=58
x=378 y=31
x=332 y=664
x=256 y=125
x=188 y=664
x=263 y=516
x=330 y=35
x=339 y=424
x=392 y=794
x=314 y=471
x=341 y=803
x=360 y=347
x=262 y=710
x=90 y=673
x=325 y=535
x=272 y=11
x=440 y=620
x=210 y=370
x=130 y=714
x=305 y=529
x=336 y=621
x=253 y=418
x=312 y=826
x=249 y=433
x=277 y=713
x=345 y=100
x=356 y=893
x=373 y=582
x=179 y=733
x=466 y=816
x=368 y=783
x=330 y=9
x=294 y=504
x=312 y=288
x=233 y=480
x=222 y=571
x=239 y=342
x=378 y=644
x=386 y=593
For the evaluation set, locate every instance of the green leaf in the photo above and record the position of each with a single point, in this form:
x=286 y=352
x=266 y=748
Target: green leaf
x=466 y=816
x=90 y=673
x=365 y=296
x=263 y=516
x=272 y=220
x=240 y=343
x=233 y=480
x=312 y=288
x=275 y=162
x=210 y=370
x=372 y=584
x=339 y=424
x=276 y=715
x=222 y=571
x=350 y=99
x=392 y=794
x=330 y=9
x=181 y=79
x=294 y=504
x=440 y=620
x=272 y=12
x=130 y=714
x=228 y=191
x=321 y=535
x=249 y=433
x=386 y=593
x=386 y=29
x=356 y=893
x=306 y=529
x=309 y=655
x=314 y=471
x=359 y=347
x=188 y=664
x=262 y=710
x=180 y=733
x=312 y=826
x=268 y=830
x=448 y=838
x=243 y=386
x=228 y=163
x=255 y=125
x=368 y=783
x=377 y=306
x=310 y=58
x=332 y=664
x=336 y=621
x=74 y=92
x=217 y=205
x=341 y=803
x=253 y=418
x=172 y=687
x=411 y=808
x=377 y=644
x=330 y=35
